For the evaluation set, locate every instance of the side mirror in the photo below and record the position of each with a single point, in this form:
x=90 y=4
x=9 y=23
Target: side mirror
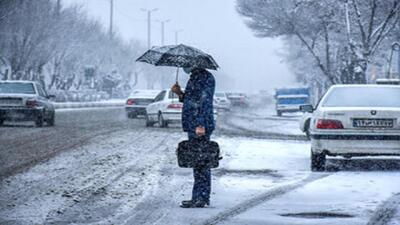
x=307 y=108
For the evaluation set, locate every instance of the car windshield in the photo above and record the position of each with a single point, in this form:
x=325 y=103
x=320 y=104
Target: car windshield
x=220 y=95
x=363 y=97
x=17 y=88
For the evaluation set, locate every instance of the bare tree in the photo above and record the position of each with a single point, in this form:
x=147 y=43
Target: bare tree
x=340 y=37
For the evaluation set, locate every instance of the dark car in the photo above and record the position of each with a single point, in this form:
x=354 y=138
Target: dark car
x=25 y=101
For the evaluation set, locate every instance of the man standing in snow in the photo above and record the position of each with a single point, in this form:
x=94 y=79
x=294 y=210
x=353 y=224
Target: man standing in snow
x=198 y=121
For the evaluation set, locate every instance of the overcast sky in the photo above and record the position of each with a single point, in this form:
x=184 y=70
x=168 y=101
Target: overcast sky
x=211 y=25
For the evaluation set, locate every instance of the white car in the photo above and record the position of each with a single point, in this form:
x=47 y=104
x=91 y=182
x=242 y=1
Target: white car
x=137 y=102
x=221 y=101
x=25 y=101
x=355 y=120
x=165 y=109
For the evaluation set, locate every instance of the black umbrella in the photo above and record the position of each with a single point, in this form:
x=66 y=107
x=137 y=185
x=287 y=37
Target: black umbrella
x=178 y=56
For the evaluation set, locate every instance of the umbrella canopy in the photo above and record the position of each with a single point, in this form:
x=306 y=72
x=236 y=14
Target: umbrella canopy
x=178 y=56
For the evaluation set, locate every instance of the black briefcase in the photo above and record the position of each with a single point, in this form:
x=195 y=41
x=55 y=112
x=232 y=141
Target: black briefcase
x=198 y=152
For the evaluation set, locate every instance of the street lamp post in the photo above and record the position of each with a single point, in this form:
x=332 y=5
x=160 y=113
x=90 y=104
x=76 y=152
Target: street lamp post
x=163 y=22
x=149 y=11
x=176 y=35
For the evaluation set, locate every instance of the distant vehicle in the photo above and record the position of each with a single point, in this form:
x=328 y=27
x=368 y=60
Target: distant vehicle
x=137 y=102
x=355 y=120
x=290 y=99
x=238 y=99
x=221 y=101
x=164 y=110
x=25 y=101
x=388 y=81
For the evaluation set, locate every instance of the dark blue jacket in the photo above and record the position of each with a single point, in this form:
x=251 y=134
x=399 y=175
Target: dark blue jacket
x=198 y=101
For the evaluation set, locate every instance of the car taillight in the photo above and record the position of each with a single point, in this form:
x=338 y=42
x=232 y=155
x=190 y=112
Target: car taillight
x=329 y=124
x=175 y=106
x=130 y=101
x=31 y=103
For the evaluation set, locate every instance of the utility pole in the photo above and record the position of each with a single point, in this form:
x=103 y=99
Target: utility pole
x=163 y=22
x=176 y=35
x=149 y=11
x=58 y=8
x=111 y=18
x=395 y=47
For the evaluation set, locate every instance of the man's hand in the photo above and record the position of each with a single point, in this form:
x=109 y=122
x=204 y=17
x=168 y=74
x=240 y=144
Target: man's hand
x=177 y=89
x=200 y=131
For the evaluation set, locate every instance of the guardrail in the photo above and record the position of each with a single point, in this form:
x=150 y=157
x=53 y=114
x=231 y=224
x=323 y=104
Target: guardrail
x=74 y=105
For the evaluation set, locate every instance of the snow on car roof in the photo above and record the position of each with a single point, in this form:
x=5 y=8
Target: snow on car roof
x=144 y=93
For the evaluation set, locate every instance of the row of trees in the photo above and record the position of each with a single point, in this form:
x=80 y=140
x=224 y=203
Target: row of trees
x=42 y=40
x=328 y=41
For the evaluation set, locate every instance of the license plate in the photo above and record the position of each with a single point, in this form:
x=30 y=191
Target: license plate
x=374 y=123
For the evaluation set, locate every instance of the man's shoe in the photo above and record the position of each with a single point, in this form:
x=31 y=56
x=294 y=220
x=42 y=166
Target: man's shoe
x=193 y=204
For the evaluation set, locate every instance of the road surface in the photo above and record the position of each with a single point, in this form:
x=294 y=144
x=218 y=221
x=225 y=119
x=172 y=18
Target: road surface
x=97 y=167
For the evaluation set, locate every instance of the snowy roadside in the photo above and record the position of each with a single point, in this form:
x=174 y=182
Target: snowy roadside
x=269 y=182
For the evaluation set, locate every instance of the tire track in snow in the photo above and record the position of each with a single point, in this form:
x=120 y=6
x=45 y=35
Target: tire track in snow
x=53 y=152
x=386 y=211
x=266 y=196
x=153 y=208
x=235 y=130
x=92 y=194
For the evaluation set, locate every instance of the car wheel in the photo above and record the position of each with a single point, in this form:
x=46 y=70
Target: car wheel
x=317 y=161
x=149 y=123
x=279 y=113
x=51 y=120
x=132 y=115
x=161 y=120
x=307 y=129
x=39 y=120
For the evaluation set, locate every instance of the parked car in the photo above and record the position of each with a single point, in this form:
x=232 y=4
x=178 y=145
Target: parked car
x=355 y=120
x=25 y=101
x=238 y=99
x=164 y=110
x=221 y=101
x=137 y=102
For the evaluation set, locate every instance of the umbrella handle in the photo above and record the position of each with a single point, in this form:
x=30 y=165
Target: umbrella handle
x=177 y=75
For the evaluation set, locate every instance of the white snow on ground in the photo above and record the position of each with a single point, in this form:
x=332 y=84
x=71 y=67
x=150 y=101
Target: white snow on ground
x=250 y=167
x=261 y=154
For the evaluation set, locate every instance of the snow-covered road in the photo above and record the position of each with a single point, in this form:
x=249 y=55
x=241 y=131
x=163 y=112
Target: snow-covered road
x=130 y=176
